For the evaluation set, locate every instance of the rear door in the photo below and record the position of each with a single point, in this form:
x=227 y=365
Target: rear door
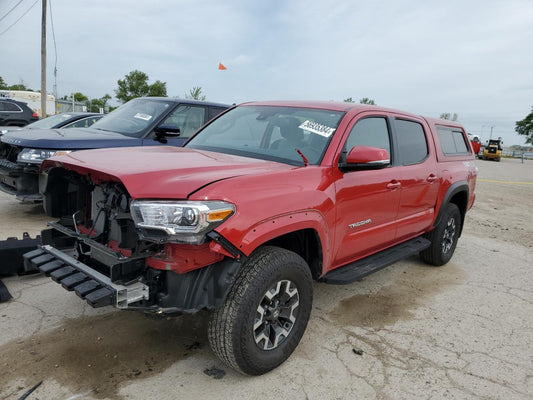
x=367 y=200
x=417 y=168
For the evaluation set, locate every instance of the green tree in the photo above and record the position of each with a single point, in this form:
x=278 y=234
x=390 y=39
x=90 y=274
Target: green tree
x=135 y=84
x=96 y=104
x=80 y=97
x=3 y=84
x=348 y=100
x=449 y=116
x=525 y=127
x=195 y=94
x=366 y=100
x=19 y=86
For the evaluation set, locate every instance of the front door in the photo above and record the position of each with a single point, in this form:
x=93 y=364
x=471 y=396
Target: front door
x=367 y=201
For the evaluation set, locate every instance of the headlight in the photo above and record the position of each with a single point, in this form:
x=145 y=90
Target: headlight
x=37 y=156
x=182 y=221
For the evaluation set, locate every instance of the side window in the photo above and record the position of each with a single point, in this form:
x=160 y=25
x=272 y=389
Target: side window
x=188 y=118
x=452 y=141
x=214 y=111
x=371 y=131
x=11 y=107
x=412 y=144
x=2 y=105
x=82 y=123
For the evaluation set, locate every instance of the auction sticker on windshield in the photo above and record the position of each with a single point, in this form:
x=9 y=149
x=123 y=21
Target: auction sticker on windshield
x=317 y=128
x=145 y=117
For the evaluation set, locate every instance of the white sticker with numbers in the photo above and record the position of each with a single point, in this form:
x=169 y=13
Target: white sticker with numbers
x=317 y=128
x=144 y=117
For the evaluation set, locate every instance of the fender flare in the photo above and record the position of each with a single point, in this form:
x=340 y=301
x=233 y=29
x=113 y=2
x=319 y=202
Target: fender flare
x=457 y=187
x=271 y=228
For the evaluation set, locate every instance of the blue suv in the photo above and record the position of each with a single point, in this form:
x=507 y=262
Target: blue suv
x=146 y=121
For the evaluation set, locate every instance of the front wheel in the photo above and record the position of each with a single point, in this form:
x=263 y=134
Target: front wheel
x=444 y=237
x=266 y=312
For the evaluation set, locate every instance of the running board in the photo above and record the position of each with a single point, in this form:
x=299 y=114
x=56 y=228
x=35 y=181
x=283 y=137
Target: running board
x=366 y=266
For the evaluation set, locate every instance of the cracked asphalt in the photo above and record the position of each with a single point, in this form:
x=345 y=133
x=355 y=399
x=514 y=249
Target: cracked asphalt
x=462 y=331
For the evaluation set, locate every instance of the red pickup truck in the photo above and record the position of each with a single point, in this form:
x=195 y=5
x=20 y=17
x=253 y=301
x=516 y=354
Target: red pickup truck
x=262 y=201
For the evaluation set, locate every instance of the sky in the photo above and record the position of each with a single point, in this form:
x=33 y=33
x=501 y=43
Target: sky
x=470 y=57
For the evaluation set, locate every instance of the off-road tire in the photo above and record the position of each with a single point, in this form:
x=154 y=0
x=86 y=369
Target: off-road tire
x=231 y=330
x=444 y=237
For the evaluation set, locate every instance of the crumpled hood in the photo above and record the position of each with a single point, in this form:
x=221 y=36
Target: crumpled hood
x=72 y=138
x=161 y=172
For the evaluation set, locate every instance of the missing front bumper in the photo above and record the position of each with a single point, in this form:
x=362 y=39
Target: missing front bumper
x=92 y=286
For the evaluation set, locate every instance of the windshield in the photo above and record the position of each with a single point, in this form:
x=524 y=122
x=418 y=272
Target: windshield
x=284 y=134
x=49 y=122
x=133 y=118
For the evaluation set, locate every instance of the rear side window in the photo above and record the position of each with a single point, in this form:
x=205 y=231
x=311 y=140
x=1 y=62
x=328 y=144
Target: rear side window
x=412 y=144
x=452 y=141
x=7 y=106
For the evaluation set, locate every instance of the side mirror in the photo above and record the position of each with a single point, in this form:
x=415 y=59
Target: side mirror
x=366 y=157
x=167 y=130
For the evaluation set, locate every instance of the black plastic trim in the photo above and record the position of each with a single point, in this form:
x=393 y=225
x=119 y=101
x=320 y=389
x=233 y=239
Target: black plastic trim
x=230 y=248
x=457 y=187
x=204 y=288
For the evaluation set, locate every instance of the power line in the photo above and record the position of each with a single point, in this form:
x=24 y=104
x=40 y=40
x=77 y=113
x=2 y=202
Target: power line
x=27 y=11
x=9 y=12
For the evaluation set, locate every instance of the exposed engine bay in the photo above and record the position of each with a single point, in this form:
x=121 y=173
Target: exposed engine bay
x=96 y=250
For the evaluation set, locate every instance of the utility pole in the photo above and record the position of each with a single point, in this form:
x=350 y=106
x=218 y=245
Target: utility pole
x=43 y=61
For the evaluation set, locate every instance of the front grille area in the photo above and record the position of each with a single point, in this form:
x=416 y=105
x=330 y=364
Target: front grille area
x=9 y=152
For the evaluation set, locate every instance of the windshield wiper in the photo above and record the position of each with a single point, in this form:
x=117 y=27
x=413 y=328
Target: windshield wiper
x=306 y=161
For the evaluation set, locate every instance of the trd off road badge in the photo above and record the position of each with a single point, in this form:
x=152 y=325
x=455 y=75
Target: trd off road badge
x=360 y=223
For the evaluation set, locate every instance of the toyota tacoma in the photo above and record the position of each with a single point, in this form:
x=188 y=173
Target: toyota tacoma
x=261 y=202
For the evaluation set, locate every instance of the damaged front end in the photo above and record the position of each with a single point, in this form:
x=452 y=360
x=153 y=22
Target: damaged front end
x=18 y=178
x=153 y=256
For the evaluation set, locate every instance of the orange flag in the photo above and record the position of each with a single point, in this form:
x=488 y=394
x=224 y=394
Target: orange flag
x=221 y=66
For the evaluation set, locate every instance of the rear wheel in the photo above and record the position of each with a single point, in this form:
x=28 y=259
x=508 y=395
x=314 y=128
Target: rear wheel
x=265 y=314
x=444 y=237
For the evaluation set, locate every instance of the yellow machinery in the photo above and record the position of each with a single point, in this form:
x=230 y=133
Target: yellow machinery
x=493 y=150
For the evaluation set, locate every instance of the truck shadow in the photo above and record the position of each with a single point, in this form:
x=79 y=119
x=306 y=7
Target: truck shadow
x=393 y=294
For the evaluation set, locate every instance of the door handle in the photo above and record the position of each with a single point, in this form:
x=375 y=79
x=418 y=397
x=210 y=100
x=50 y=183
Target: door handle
x=392 y=185
x=431 y=178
